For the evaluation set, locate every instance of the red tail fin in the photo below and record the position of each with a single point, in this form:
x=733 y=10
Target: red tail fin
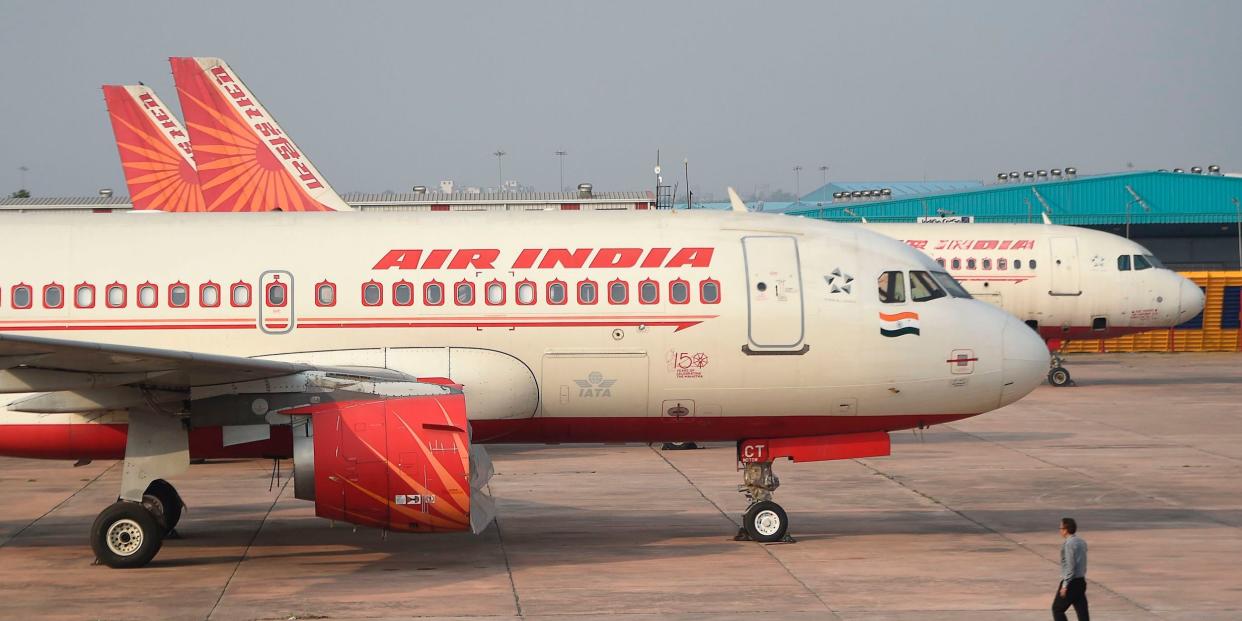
x=245 y=161
x=155 y=151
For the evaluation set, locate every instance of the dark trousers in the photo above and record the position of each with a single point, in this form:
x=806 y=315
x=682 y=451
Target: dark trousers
x=1076 y=596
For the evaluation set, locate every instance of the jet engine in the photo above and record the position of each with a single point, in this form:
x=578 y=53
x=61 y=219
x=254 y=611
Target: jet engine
x=396 y=463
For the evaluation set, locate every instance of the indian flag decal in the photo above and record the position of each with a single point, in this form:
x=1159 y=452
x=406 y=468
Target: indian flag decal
x=899 y=324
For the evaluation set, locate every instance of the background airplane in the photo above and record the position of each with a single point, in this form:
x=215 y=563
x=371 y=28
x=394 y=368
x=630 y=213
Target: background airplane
x=379 y=357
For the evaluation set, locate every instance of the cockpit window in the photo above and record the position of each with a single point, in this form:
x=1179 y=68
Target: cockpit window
x=892 y=287
x=1153 y=260
x=1141 y=263
x=1123 y=263
x=951 y=285
x=924 y=288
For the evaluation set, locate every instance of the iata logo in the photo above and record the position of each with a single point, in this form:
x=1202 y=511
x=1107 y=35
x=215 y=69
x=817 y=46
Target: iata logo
x=595 y=386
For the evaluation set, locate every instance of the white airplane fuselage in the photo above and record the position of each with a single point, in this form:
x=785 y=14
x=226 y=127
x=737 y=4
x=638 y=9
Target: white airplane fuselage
x=779 y=332
x=1066 y=280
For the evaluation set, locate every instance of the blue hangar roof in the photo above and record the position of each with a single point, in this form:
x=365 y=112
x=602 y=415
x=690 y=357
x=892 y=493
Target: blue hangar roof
x=1150 y=197
x=898 y=188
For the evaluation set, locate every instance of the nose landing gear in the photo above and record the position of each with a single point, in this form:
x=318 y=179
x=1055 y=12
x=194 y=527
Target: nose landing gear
x=764 y=520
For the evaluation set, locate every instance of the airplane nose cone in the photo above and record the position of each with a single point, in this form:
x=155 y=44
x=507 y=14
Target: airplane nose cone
x=1025 y=361
x=1190 y=301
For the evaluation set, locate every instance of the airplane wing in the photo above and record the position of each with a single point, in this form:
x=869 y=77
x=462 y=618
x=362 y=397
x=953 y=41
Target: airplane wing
x=75 y=376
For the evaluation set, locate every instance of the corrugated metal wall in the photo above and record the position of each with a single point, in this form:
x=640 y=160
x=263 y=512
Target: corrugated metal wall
x=1217 y=329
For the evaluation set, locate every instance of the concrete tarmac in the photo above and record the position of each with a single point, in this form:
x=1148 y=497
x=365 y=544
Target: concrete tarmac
x=959 y=523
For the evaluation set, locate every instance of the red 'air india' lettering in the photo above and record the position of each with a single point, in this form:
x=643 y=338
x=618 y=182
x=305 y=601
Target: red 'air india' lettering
x=691 y=257
x=435 y=259
x=400 y=259
x=564 y=258
x=655 y=257
x=474 y=258
x=526 y=258
x=617 y=257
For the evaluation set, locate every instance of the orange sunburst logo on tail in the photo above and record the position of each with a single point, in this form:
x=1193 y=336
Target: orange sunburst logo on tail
x=155 y=151
x=245 y=161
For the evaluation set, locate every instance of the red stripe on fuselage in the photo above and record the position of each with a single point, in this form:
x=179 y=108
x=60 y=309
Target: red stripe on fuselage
x=107 y=441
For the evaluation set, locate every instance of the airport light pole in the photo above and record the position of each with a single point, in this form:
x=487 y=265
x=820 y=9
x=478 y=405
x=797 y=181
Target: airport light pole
x=500 y=170
x=824 y=169
x=797 y=183
x=561 y=156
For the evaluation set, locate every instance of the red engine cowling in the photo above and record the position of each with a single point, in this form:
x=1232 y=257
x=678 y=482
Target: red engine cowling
x=401 y=464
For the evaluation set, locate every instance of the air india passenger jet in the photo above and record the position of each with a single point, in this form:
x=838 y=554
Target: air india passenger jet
x=379 y=350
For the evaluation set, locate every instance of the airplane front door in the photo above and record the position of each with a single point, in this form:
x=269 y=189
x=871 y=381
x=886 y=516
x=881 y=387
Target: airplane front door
x=774 y=299
x=275 y=302
x=1064 y=252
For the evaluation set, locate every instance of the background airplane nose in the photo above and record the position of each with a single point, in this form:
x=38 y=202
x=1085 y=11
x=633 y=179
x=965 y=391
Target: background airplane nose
x=1025 y=361
x=1190 y=301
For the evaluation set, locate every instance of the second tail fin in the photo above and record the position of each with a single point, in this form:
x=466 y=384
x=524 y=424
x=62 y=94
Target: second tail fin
x=155 y=151
x=246 y=162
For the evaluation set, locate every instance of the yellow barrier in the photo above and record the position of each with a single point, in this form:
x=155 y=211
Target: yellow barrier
x=1212 y=336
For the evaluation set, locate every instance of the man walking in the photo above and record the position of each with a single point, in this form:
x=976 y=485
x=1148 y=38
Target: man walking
x=1072 y=591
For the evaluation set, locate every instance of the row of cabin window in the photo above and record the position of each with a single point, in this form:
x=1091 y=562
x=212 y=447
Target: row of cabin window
x=116 y=295
x=1001 y=263
x=526 y=292
x=556 y=292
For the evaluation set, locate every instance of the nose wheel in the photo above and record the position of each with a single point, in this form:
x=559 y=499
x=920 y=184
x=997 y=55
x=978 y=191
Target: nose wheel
x=764 y=520
x=126 y=535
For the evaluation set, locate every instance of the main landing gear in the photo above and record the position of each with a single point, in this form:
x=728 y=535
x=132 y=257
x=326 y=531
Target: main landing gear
x=129 y=534
x=764 y=520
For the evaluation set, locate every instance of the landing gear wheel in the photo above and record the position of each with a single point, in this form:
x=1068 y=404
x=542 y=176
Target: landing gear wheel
x=163 y=501
x=765 y=522
x=126 y=535
x=679 y=446
x=1059 y=377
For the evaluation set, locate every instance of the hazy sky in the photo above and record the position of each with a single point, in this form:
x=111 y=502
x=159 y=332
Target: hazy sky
x=383 y=95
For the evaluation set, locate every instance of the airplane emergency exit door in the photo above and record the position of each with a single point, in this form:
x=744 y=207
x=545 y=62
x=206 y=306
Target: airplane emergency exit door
x=1065 y=274
x=774 y=301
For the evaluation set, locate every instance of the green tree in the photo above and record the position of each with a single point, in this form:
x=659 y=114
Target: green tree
x=23 y=193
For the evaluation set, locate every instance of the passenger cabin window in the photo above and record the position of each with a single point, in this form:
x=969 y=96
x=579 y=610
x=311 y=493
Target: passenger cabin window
x=22 y=296
x=209 y=295
x=178 y=295
x=239 y=294
x=84 y=296
x=1031 y=263
x=525 y=293
x=1123 y=263
x=987 y=264
x=277 y=294
x=618 y=292
x=892 y=287
x=53 y=296
x=372 y=294
x=923 y=287
x=557 y=292
x=433 y=293
x=114 y=295
x=403 y=293
x=463 y=293
x=648 y=292
x=1141 y=263
x=709 y=291
x=325 y=294
x=679 y=292
x=494 y=293
x=940 y=260
x=970 y=264
x=148 y=295
x=1002 y=264
x=957 y=264
x=586 y=292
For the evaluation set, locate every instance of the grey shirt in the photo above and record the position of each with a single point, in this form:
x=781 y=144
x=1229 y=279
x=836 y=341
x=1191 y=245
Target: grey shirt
x=1073 y=559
